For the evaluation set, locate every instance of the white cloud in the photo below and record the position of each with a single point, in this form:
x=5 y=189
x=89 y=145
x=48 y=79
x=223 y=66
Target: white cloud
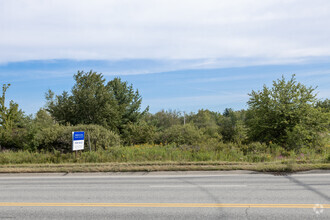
x=268 y=31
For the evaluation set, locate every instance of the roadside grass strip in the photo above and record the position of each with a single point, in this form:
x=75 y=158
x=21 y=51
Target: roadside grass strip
x=160 y=166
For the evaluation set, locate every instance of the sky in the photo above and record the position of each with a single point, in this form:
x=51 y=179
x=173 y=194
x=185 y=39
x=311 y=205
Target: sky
x=182 y=55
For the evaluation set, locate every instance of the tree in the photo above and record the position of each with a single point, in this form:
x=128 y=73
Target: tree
x=324 y=105
x=138 y=133
x=232 y=126
x=12 y=120
x=93 y=101
x=128 y=102
x=285 y=114
x=12 y=116
x=164 y=119
x=181 y=134
x=43 y=119
x=206 y=121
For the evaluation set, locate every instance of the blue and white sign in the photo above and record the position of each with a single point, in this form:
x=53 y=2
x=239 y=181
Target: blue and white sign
x=78 y=140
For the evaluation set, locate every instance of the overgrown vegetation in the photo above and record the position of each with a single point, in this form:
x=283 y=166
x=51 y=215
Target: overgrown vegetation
x=252 y=153
x=282 y=124
x=286 y=114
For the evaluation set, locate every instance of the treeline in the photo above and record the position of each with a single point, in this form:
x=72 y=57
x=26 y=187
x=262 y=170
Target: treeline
x=287 y=115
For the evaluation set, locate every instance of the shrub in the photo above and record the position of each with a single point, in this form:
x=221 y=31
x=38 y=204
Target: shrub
x=59 y=137
x=138 y=133
x=12 y=138
x=180 y=134
x=285 y=114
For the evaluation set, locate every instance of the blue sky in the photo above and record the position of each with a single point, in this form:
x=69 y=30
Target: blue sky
x=182 y=55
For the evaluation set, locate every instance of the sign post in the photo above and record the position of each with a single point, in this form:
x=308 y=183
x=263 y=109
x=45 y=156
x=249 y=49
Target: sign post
x=78 y=138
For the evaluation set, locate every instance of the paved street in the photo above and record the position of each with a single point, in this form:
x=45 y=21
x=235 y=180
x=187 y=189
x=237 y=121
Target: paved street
x=208 y=195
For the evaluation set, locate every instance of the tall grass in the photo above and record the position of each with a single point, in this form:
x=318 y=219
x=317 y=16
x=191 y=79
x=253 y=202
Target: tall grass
x=180 y=153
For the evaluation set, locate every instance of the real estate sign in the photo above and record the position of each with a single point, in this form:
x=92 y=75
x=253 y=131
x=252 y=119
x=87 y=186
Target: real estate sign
x=78 y=140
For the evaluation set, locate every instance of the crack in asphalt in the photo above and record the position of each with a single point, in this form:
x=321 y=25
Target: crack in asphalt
x=246 y=213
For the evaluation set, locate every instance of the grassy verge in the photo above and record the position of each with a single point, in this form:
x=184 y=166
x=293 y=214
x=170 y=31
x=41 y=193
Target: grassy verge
x=160 y=166
x=166 y=158
x=183 y=153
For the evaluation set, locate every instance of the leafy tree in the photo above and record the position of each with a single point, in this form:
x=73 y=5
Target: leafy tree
x=12 y=122
x=232 y=126
x=164 y=119
x=285 y=114
x=139 y=133
x=9 y=117
x=206 y=121
x=227 y=125
x=128 y=102
x=43 y=119
x=181 y=134
x=324 y=105
x=93 y=101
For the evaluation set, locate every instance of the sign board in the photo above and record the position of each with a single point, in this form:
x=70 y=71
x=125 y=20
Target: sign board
x=78 y=140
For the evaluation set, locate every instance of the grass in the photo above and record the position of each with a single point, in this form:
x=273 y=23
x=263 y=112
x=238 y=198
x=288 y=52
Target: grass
x=167 y=158
x=159 y=166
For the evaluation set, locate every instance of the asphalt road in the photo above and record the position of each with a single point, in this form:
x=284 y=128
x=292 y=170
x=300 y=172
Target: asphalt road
x=211 y=195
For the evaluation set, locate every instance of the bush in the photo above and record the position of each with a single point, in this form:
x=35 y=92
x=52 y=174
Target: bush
x=12 y=138
x=59 y=137
x=286 y=115
x=180 y=134
x=138 y=133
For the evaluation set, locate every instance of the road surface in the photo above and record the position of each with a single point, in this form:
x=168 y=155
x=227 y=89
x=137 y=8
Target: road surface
x=208 y=195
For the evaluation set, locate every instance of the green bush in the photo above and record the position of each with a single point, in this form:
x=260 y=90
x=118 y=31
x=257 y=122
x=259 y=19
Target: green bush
x=138 y=133
x=180 y=134
x=12 y=138
x=59 y=137
x=286 y=115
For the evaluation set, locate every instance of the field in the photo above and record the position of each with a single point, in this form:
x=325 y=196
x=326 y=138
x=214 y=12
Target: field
x=171 y=157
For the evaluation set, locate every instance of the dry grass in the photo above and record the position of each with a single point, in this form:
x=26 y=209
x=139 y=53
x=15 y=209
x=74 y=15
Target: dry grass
x=160 y=166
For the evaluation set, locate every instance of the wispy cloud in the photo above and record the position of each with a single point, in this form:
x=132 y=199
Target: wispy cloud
x=225 y=78
x=212 y=33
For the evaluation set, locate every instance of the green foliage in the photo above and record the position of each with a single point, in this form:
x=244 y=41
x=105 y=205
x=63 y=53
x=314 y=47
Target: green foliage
x=128 y=103
x=285 y=121
x=59 y=137
x=110 y=105
x=43 y=119
x=12 y=123
x=255 y=148
x=324 y=105
x=181 y=134
x=11 y=117
x=240 y=133
x=91 y=102
x=164 y=119
x=12 y=138
x=232 y=126
x=285 y=114
x=199 y=127
x=139 y=133
x=206 y=121
x=254 y=152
